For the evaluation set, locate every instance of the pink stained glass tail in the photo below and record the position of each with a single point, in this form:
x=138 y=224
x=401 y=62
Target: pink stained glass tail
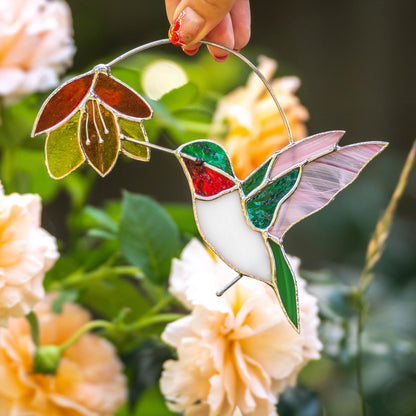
x=321 y=180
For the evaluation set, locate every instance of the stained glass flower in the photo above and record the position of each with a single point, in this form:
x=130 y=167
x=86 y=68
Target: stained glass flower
x=89 y=119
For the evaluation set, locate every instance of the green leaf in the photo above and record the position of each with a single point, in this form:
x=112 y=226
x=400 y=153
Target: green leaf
x=152 y=403
x=32 y=174
x=99 y=218
x=109 y=296
x=17 y=122
x=34 y=327
x=180 y=97
x=148 y=237
x=184 y=218
x=129 y=76
x=193 y=123
x=124 y=411
x=67 y=295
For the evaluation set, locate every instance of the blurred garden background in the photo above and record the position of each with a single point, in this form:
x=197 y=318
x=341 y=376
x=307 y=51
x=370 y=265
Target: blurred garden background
x=356 y=64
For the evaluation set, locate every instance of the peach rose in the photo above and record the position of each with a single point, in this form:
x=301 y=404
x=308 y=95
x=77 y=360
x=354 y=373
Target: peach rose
x=36 y=45
x=236 y=352
x=89 y=380
x=27 y=252
x=256 y=129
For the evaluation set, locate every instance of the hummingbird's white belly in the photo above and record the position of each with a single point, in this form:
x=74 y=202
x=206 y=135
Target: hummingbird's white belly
x=222 y=223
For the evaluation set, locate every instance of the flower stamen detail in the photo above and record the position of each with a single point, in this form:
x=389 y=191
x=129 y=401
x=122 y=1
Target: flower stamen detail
x=87 y=141
x=106 y=131
x=100 y=139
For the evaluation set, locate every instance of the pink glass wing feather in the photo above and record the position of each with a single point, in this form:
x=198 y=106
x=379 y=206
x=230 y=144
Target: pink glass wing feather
x=322 y=179
x=305 y=150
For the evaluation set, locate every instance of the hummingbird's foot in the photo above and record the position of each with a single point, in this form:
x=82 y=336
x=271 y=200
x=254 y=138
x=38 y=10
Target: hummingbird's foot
x=228 y=285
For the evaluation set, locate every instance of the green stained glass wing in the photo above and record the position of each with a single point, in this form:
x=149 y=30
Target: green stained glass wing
x=99 y=138
x=211 y=153
x=255 y=178
x=262 y=205
x=284 y=283
x=136 y=131
x=63 y=151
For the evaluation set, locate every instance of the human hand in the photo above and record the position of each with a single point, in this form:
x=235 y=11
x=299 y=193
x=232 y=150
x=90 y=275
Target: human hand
x=226 y=22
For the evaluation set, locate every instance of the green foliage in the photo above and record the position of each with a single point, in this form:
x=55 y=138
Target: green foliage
x=99 y=296
x=152 y=404
x=148 y=236
x=34 y=327
x=183 y=216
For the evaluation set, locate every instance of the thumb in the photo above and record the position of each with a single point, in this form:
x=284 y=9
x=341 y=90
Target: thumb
x=192 y=20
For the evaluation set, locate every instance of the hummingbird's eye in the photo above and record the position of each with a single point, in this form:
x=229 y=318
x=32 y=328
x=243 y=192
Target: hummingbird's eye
x=199 y=161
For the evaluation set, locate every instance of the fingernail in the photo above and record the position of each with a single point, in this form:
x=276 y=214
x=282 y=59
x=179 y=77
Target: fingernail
x=220 y=58
x=192 y=51
x=185 y=27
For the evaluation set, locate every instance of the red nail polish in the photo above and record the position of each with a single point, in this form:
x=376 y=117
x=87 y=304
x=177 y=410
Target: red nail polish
x=185 y=27
x=175 y=28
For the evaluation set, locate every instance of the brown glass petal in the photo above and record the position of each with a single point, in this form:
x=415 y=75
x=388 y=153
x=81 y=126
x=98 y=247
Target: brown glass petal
x=99 y=137
x=121 y=97
x=62 y=103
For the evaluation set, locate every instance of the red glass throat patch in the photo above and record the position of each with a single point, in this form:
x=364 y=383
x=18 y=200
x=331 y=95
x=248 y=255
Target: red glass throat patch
x=207 y=182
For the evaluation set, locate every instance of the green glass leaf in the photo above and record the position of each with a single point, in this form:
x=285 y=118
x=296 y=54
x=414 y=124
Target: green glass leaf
x=63 y=152
x=284 y=280
x=134 y=130
x=211 y=153
x=148 y=237
x=262 y=205
x=255 y=178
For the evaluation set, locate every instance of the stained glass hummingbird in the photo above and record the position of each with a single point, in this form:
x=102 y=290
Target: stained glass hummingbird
x=244 y=221
x=95 y=116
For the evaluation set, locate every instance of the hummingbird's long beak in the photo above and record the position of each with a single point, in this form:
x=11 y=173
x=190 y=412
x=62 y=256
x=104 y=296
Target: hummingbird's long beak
x=151 y=145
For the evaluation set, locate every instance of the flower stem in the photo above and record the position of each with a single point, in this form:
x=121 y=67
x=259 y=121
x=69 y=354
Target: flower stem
x=374 y=252
x=359 y=372
x=152 y=320
x=80 y=278
x=87 y=327
x=111 y=326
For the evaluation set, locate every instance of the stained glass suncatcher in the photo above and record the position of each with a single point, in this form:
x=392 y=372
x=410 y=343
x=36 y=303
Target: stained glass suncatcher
x=95 y=116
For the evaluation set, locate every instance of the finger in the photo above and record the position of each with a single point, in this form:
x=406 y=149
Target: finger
x=241 y=20
x=222 y=34
x=194 y=19
x=170 y=6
